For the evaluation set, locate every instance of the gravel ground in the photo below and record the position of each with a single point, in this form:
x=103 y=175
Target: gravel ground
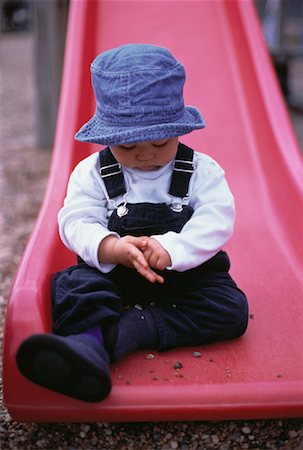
x=23 y=176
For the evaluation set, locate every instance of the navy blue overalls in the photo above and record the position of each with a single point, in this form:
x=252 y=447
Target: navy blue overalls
x=194 y=307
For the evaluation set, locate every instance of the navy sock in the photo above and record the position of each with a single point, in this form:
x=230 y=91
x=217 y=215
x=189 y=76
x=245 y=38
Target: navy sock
x=135 y=330
x=94 y=332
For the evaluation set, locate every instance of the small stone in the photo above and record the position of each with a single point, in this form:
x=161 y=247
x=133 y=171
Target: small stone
x=292 y=434
x=94 y=440
x=173 y=444
x=246 y=430
x=234 y=436
x=178 y=365
x=228 y=372
x=139 y=307
x=85 y=428
x=197 y=354
x=214 y=438
x=150 y=356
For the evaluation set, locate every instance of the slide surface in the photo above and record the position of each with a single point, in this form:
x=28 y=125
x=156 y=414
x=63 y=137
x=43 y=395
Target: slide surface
x=231 y=80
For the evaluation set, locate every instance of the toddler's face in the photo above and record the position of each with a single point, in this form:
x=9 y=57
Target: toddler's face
x=146 y=155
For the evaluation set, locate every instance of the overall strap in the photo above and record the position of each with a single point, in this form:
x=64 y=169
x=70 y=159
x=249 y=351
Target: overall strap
x=182 y=172
x=111 y=173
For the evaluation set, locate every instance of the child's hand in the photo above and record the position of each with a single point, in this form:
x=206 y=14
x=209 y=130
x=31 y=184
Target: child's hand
x=156 y=256
x=127 y=251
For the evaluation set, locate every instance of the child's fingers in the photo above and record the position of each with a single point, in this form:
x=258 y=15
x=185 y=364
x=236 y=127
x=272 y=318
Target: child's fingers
x=153 y=277
x=151 y=258
x=141 y=260
x=135 y=255
x=156 y=277
x=137 y=259
x=155 y=260
x=159 y=278
x=144 y=271
x=148 y=273
x=142 y=243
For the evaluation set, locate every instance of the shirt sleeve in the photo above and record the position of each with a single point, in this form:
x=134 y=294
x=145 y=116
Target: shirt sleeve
x=211 y=224
x=83 y=218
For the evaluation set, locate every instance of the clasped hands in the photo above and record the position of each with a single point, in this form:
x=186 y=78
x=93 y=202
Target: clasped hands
x=141 y=253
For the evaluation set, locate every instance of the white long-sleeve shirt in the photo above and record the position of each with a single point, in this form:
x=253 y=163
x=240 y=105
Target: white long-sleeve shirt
x=84 y=217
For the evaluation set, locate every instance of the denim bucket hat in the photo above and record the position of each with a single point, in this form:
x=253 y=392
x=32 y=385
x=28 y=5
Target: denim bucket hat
x=139 y=97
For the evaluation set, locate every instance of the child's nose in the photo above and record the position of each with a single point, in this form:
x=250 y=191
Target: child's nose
x=145 y=156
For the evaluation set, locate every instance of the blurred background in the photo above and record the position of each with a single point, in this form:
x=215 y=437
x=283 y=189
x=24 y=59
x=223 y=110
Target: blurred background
x=35 y=31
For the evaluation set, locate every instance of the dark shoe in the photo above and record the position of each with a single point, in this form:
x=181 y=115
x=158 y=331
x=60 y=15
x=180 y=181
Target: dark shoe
x=73 y=366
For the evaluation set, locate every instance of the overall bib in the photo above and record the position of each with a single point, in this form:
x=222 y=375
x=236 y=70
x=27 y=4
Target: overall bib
x=194 y=307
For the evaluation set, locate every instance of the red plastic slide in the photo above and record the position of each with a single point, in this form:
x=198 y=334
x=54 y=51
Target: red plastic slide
x=230 y=78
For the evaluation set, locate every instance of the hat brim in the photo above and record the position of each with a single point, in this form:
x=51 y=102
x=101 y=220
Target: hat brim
x=97 y=131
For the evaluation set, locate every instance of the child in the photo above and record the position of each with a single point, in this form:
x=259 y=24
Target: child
x=148 y=218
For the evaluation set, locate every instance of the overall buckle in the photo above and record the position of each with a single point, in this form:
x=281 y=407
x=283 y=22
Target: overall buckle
x=110 y=170
x=182 y=165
